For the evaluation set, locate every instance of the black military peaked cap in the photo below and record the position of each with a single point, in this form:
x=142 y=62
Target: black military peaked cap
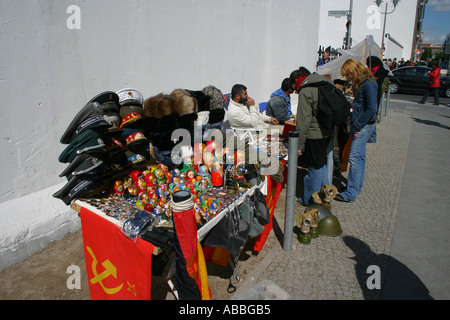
x=109 y=100
x=89 y=117
x=85 y=163
x=77 y=186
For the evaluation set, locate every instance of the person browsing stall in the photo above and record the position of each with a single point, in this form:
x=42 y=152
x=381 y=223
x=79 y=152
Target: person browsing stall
x=279 y=105
x=362 y=124
x=314 y=139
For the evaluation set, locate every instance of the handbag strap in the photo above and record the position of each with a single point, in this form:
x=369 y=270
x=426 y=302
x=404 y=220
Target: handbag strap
x=235 y=277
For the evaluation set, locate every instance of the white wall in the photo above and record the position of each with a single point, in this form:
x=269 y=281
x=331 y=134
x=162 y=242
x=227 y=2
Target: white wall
x=367 y=20
x=49 y=72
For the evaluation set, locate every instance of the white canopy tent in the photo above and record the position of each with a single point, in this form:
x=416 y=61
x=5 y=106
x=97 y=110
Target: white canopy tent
x=359 y=52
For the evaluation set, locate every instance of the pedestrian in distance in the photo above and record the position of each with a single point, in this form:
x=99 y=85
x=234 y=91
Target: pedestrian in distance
x=434 y=84
x=362 y=124
x=325 y=58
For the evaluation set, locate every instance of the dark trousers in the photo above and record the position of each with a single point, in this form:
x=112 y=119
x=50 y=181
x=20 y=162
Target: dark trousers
x=434 y=91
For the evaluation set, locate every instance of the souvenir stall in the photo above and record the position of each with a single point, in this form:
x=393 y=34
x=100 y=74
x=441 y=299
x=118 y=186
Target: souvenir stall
x=137 y=199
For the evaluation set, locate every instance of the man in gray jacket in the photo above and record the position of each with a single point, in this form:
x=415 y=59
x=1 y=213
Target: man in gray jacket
x=313 y=138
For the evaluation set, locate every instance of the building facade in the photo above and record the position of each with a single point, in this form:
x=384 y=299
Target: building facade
x=401 y=23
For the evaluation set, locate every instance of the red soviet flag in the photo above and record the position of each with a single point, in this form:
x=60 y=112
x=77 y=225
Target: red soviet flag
x=118 y=268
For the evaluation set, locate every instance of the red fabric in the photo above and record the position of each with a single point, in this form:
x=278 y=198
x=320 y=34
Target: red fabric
x=186 y=228
x=273 y=193
x=216 y=255
x=117 y=268
x=375 y=69
x=287 y=128
x=299 y=82
x=435 y=78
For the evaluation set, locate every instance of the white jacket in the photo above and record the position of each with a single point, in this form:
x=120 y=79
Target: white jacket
x=241 y=116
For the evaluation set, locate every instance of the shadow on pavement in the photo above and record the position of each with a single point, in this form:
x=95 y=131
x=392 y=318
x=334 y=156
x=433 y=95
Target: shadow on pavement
x=397 y=281
x=431 y=123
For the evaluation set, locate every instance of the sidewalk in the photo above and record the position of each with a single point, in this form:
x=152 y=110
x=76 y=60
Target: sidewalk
x=337 y=268
x=399 y=223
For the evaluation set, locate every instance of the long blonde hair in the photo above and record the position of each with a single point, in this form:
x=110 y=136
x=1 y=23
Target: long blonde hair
x=357 y=69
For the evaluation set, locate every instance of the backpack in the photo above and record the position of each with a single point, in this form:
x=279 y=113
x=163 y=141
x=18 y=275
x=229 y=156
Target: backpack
x=385 y=85
x=333 y=108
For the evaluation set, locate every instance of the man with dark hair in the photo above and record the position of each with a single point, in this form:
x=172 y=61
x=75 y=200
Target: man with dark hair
x=314 y=139
x=238 y=89
x=279 y=105
x=243 y=113
x=325 y=59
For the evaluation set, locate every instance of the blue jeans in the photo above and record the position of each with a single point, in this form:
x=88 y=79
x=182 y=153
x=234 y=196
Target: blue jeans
x=357 y=160
x=313 y=181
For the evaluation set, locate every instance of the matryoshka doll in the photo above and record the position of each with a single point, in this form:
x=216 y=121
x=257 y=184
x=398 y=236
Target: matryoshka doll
x=138 y=181
x=176 y=172
x=168 y=175
x=208 y=159
x=174 y=186
x=163 y=167
x=117 y=188
x=130 y=189
x=189 y=176
x=150 y=180
x=152 y=197
x=198 y=153
x=217 y=174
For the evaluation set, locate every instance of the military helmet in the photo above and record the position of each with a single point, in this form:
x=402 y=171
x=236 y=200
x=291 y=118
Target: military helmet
x=330 y=226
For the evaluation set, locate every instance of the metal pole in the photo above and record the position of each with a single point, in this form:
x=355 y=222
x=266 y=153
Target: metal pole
x=349 y=31
x=291 y=186
x=387 y=102
x=384 y=29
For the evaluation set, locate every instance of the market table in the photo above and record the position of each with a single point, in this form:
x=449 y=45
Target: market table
x=121 y=268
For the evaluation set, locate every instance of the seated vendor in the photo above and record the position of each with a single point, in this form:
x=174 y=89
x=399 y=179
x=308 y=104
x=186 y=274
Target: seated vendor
x=279 y=105
x=243 y=112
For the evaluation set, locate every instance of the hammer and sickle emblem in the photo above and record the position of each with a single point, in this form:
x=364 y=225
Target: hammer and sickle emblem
x=110 y=270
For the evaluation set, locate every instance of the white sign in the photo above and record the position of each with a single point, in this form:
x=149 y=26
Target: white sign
x=338 y=13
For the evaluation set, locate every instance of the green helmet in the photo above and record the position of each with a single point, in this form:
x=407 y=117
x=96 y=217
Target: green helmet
x=330 y=226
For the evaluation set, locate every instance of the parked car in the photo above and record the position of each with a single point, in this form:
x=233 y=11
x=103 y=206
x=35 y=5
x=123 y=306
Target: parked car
x=415 y=80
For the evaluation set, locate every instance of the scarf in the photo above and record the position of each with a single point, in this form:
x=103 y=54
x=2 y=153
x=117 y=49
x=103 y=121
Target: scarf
x=299 y=81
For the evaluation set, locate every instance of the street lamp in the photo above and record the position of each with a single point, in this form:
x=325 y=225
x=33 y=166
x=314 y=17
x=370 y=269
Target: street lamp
x=386 y=12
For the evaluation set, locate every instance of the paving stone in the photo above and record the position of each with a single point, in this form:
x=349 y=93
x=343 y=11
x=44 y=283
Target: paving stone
x=327 y=268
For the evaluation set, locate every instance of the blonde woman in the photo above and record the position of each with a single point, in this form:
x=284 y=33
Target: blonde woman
x=362 y=124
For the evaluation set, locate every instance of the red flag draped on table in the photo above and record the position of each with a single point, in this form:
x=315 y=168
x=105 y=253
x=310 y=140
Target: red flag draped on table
x=118 y=268
x=191 y=273
x=273 y=194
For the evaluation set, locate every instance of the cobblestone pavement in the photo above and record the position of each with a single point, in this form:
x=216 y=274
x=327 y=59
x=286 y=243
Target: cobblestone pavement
x=328 y=268
x=336 y=267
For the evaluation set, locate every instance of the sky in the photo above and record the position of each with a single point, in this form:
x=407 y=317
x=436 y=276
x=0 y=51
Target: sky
x=436 y=24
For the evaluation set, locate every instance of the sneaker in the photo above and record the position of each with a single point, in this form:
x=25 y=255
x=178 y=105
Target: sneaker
x=420 y=102
x=435 y=104
x=339 y=197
